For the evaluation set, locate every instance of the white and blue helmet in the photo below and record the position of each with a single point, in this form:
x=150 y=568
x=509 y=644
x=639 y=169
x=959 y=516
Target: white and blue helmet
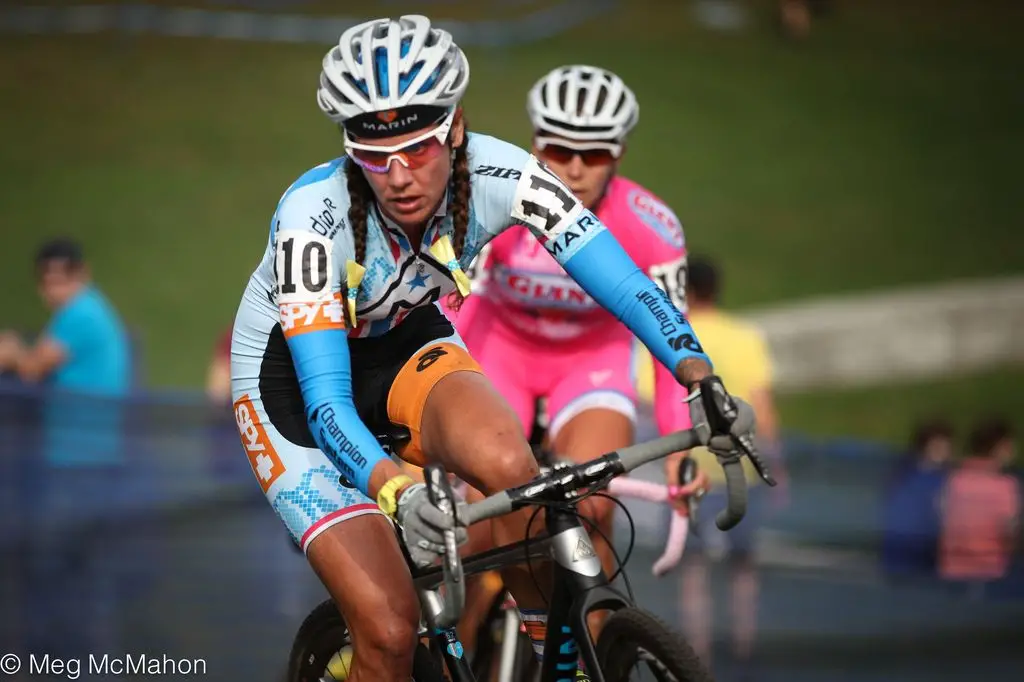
x=384 y=65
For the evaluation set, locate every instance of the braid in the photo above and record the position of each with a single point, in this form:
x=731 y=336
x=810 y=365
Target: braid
x=459 y=205
x=360 y=196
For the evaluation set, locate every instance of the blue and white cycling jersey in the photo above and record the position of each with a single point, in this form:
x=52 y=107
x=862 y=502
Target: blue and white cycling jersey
x=297 y=293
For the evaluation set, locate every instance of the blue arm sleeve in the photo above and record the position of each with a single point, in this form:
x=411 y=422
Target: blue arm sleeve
x=592 y=257
x=322 y=364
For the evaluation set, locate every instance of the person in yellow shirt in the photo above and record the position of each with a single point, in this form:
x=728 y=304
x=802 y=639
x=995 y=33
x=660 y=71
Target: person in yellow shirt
x=743 y=361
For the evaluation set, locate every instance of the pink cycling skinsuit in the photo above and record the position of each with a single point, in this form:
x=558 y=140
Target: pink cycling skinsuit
x=537 y=334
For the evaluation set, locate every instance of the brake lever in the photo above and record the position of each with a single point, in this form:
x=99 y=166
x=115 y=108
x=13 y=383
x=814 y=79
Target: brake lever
x=441 y=495
x=746 y=445
x=687 y=474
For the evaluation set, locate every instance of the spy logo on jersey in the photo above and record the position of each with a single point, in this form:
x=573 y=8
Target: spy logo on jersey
x=299 y=318
x=263 y=457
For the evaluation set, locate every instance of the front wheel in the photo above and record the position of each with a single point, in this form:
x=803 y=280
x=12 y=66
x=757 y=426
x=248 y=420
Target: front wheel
x=632 y=640
x=322 y=650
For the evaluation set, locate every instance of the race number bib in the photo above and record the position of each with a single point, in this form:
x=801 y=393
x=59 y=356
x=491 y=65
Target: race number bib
x=671 y=278
x=543 y=203
x=303 y=265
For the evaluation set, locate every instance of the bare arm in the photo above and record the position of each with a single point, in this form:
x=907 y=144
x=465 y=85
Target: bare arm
x=218 y=380
x=691 y=370
x=33 y=364
x=763 y=403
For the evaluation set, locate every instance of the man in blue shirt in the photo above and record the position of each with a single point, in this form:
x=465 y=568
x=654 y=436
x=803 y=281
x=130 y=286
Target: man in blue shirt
x=84 y=347
x=83 y=362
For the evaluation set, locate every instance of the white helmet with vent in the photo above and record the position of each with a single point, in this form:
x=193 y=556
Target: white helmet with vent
x=583 y=104
x=386 y=64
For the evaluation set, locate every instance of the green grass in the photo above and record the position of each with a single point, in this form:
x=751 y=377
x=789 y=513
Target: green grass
x=885 y=151
x=888 y=413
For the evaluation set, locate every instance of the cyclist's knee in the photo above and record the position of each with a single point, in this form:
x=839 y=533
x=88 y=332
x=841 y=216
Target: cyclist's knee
x=384 y=644
x=509 y=463
x=598 y=510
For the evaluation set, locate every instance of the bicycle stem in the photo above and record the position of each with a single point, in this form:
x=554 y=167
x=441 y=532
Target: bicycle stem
x=557 y=486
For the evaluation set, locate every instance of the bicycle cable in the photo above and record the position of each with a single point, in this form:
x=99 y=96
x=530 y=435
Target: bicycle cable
x=621 y=561
x=595 y=489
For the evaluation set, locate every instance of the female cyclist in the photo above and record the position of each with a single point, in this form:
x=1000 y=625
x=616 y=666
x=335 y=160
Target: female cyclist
x=534 y=330
x=339 y=341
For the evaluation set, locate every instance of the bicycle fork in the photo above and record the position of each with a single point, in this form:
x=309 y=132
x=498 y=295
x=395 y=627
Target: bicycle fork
x=580 y=588
x=444 y=639
x=511 y=627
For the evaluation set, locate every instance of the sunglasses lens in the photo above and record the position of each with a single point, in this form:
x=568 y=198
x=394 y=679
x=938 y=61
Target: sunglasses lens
x=564 y=155
x=597 y=157
x=422 y=153
x=557 y=154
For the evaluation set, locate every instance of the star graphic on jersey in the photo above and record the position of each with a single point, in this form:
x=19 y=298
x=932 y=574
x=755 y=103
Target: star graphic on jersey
x=418 y=281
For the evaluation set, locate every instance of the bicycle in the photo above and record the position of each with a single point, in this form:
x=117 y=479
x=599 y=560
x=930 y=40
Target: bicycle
x=630 y=635
x=501 y=638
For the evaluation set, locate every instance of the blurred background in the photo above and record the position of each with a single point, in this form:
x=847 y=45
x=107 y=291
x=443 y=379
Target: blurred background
x=851 y=166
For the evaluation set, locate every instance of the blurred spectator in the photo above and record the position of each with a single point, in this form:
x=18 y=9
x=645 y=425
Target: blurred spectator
x=218 y=375
x=981 y=509
x=796 y=16
x=85 y=347
x=910 y=523
x=82 y=359
x=741 y=358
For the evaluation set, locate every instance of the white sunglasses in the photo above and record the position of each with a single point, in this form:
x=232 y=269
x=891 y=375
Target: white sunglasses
x=378 y=158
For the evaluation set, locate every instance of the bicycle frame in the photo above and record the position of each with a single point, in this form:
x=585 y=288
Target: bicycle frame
x=444 y=639
x=580 y=587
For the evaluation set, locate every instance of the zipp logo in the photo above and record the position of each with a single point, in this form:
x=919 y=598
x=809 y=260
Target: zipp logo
x=262 y=456
x=299 y=318
x=430 y=357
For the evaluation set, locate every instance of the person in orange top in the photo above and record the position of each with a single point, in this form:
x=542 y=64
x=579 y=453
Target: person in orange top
x=981 y=509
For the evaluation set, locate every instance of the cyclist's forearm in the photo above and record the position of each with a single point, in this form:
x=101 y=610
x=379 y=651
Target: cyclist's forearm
x=384 y=471
x=671 y=413
x=323 y=369
x=602 y=267
x=672 y=467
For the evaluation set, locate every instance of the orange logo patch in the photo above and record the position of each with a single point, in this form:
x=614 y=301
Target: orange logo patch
x=387 y=116
x=299 y=318
x=261 y=453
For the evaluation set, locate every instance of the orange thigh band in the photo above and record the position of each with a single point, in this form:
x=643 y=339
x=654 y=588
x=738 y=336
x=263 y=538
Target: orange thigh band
x=408 y=394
